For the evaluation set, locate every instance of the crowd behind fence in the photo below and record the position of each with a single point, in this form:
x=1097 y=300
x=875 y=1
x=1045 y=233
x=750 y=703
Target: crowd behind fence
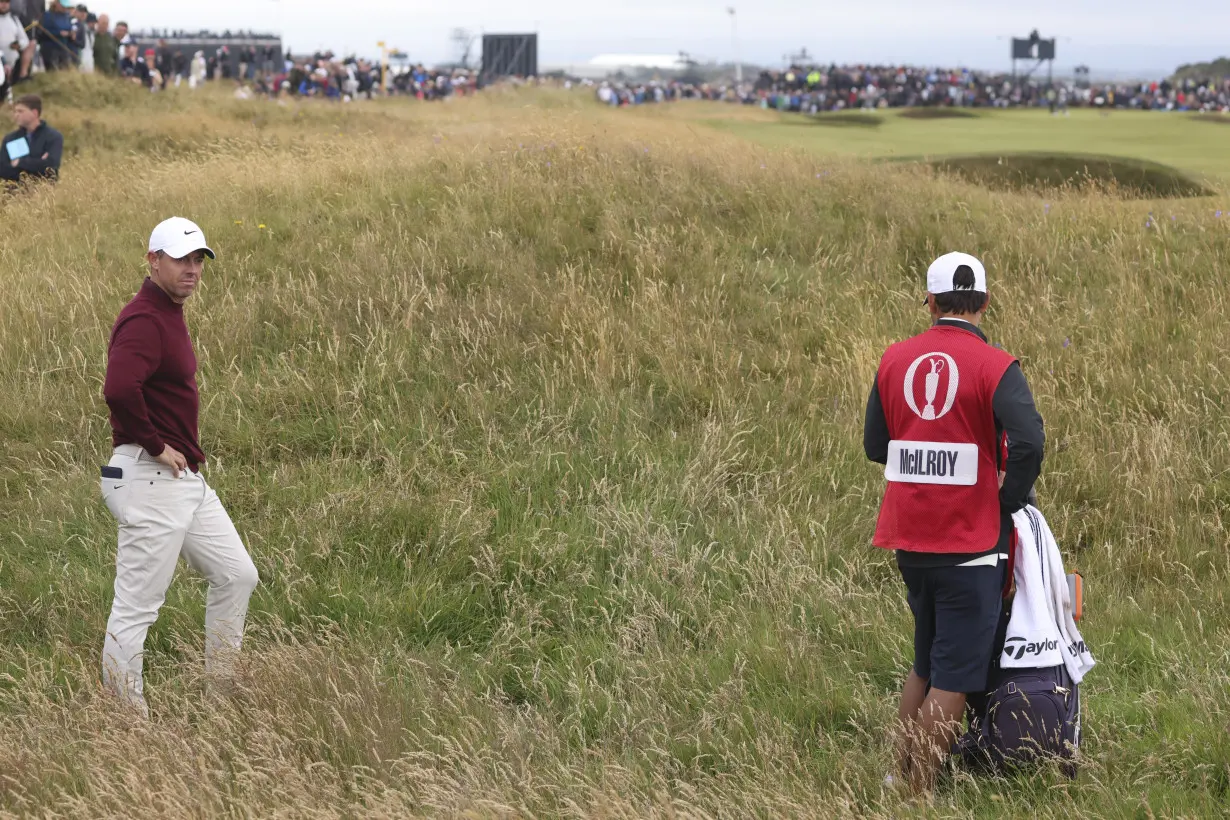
x=60 y=38
x=814 y=90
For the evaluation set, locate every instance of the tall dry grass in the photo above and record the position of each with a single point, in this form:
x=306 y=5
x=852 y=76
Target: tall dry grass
x=542 y=424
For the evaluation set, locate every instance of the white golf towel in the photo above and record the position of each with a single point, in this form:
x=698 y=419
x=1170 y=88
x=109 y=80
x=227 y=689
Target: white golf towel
x=1041 y=630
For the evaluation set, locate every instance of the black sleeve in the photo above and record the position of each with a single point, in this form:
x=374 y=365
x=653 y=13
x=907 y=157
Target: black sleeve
x=55 y=153
x=1013 y=404
x=875 y=427
x=34 y=163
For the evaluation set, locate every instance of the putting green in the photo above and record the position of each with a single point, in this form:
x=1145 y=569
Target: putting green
x=1179 y=140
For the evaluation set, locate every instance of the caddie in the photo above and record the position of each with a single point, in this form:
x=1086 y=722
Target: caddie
x=941 y=408
x=153 y=484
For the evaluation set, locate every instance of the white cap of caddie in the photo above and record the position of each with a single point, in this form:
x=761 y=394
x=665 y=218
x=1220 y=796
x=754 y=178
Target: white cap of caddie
x=942 y=274
x=177 y=237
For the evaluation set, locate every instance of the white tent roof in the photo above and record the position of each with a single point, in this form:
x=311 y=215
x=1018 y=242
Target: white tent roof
x=604 y=65
x=667 y=61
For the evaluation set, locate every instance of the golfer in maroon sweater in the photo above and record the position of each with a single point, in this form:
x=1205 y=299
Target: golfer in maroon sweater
x=153 y=484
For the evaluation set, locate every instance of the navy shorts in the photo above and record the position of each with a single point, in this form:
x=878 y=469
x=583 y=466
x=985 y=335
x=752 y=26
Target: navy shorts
x=956 y=613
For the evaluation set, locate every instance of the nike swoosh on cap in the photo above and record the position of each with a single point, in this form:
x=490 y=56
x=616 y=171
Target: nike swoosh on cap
x=188 y=232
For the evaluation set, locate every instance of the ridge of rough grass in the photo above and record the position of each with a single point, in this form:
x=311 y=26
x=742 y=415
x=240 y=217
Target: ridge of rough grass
x=840 y=120
x=543 y=430
x=1040 y=172
x=932 y=112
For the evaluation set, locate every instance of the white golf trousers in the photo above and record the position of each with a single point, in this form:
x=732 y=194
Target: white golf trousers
x=161 y=517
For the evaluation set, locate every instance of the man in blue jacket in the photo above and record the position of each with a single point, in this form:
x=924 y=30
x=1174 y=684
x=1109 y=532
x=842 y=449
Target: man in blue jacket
x=57 y=37
x=35 y=148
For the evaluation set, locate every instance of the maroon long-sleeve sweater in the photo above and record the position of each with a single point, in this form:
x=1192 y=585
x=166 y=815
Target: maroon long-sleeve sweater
x=151 y=377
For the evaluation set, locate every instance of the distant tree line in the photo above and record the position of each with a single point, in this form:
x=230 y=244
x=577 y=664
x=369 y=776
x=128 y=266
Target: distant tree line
x=1218 y=69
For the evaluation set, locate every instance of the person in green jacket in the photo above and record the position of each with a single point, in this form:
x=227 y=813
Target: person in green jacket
x=106 y=48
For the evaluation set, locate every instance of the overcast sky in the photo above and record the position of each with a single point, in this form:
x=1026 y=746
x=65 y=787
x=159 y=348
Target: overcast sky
x=1108 y=35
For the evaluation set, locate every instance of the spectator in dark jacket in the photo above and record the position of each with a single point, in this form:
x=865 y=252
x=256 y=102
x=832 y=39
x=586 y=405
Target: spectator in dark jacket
x=165 y=62
x=133 y=66
x=35 y=148
x=77 y=44
x=28 y=11
x=56 y=37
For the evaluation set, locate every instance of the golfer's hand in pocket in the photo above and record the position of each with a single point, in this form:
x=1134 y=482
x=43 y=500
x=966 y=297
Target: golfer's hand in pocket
x=175 y=460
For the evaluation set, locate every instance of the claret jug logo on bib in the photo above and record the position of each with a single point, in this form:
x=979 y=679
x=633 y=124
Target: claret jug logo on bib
x=934 y=369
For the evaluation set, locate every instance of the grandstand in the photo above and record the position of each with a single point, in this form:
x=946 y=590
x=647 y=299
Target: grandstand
x=211 y=43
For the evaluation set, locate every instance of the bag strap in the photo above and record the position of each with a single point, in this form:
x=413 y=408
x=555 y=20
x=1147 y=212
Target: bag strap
x=1012 y=548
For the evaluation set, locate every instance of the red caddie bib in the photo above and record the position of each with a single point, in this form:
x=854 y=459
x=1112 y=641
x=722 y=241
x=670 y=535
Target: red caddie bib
x=942 y=471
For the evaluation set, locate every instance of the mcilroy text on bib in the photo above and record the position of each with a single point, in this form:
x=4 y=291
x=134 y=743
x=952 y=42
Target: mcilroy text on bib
x=932 y=462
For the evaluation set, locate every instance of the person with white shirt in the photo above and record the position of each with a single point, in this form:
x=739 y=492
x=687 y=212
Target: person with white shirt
x=89 y=29
x=123 y=38
x=197 y=72
x=16 y=48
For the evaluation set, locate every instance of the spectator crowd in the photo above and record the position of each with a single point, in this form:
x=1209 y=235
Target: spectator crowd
x=59 y=37
x=56 y=37
x=324 y=75
x=818 y=89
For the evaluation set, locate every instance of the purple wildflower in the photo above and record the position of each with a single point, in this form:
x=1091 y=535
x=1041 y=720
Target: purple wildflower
x=1067 y=342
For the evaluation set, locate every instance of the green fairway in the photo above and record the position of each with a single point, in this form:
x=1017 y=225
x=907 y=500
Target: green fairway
x=1176 y=139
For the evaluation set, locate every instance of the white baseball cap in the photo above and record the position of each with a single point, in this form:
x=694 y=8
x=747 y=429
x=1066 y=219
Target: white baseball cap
x=177 y=237
x=943 y=272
